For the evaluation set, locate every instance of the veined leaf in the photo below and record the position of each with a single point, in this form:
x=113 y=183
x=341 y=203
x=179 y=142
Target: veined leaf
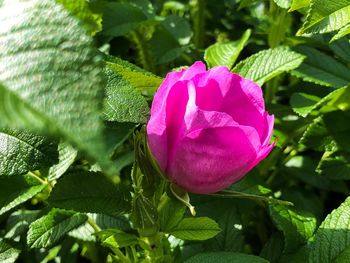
x=67 y=155
x=335 y=165
x=139 y=78
x=333 y=236
x=225 y=54
x=17 y=190
x=123 y=103
x=8 y=252
x=21 y=152
x=268 y=64
x=219 y=257
x=88 y=192
x=297 y=226
x=338 y=125
x=170 y=213
x=326 y=16
x=52 y=84
x=49 y=229
x=321 y=69
x=342 y=33
x=196 y=228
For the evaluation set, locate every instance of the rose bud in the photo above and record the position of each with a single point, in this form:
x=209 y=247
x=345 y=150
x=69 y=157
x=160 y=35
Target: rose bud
x=208 y=128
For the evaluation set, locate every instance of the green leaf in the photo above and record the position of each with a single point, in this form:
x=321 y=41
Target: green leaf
x=123 y=103
x=21 y=152
x=317 y=136
x=49 y=229
x=170 y=213
x=139 y=78
x=226 y=53
x=321 y=69
x=268 y=64
x=88 y=192
x=19 y=221
x=273 y=248
x=87 y=233
x=196 y=228
x=326 y=16
x=8 y=253
x=52 y=84
x=338 y=125
x=342 y=33
x=114 y=238
x=211 y=257
x=283 y=3
x=335 y=165
x=80 y=9
x=333 y=236
x=297 y=226
x=17 y=190
x=67 y=155
x=120 y=18
x=298 y=4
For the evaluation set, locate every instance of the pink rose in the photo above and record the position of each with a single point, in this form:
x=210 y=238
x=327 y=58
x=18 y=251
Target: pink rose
x=208 y=128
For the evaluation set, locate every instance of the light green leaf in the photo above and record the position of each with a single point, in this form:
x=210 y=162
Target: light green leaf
x=139 y=78
x=8 y=253
x=123 y=103
x=49 y=229
x=226 y=53
x=67 y=155
x=321 y=69
x=17 y=190
x=342 y=33
x=297 y=226
x=52 y=84
x=80 y=9
x=298 y=4
x=333 y=236
x=283 y=3
x=21 y=152
x=88 y=192
x=221 y=257
x=115 y=238
x=196 y=228
x=326 y=16
x=268 y=64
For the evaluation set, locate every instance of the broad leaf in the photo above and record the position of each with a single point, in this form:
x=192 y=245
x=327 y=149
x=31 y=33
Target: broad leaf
x=333 y=236
x=283 y=3
x=321 y=69
x=219 y=257
x=297 y=226
x=115 y=238
x=21 y=152
x=49 y=229
x=8 y=252
x=19 y=221
x=88 y=192
x=196 y=228
x=138 y=78
x=17 y=190
x=226 y=53
x=335 y=165
x=123 y=103
x=67 y=155
x=53 y=83
x=170 y=213
x=338 y=125
x=342 y=33
x=268 y=64
x=326 y=16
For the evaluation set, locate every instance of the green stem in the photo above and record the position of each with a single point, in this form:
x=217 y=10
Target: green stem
x=32 y=174
x=199 y=23
x=143 y=50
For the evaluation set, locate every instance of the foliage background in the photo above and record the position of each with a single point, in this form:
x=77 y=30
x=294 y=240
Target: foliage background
x=76 y=82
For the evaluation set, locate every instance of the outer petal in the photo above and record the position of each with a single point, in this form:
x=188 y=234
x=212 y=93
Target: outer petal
x=157 y=126
x=209 y=160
